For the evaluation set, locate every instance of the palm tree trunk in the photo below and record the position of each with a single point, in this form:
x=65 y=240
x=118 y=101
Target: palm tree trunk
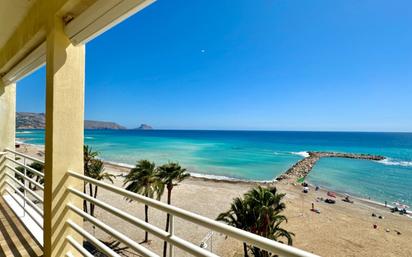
x=91 y=195
x=169 y=200
x=245 y=250
x=93 y=206
x=37 y=180
x=146 y=219
x=84 y=201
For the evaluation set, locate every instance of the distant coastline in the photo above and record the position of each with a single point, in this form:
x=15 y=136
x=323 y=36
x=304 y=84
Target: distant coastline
x=32 y=120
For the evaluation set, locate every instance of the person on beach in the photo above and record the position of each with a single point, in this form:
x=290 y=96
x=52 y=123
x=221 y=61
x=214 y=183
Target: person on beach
x=314 y=210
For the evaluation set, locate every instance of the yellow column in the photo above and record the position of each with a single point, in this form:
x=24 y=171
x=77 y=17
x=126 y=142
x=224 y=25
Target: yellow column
x=65 y=70
x=7 y=115
x=7 y=123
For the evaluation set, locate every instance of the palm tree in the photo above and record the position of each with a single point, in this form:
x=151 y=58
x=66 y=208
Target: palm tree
x=93 y=168
x=88 y=156
x=143 y=179
x=264 y=202
x=96 y=171
x=266 y=205
x=36 y=166
x=259 y=213
x=39 y=167
x=239 y=216
x=170 y=174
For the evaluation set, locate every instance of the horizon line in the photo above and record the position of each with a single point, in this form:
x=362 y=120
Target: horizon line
x=244 y=130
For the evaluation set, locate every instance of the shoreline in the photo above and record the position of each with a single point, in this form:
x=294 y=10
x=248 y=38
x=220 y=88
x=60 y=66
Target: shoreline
x=351 y=224
x=225 y=179
x=201 y=177
x=208 y=177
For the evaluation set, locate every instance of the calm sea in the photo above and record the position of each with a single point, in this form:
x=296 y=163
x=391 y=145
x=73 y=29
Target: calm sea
x=254 y=155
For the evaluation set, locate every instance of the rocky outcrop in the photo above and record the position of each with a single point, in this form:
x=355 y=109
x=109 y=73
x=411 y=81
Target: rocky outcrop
x=304 y=166
x=30 y=120
x=144 y=127
x=92 y=124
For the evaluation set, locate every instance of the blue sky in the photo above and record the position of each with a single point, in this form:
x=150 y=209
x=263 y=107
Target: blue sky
x=272 y=65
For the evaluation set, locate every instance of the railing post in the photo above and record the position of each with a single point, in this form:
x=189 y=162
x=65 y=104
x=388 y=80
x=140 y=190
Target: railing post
x=24 y=189
x=211 y=242
x=7 y=124
x=172 y=232
x=65 y=67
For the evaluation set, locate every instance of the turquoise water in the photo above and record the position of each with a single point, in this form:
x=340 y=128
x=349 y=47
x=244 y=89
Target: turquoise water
x=264 y=155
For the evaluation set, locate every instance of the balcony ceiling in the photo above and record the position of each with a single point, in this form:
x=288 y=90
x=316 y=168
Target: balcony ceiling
x=12 y=12
x=24 y=25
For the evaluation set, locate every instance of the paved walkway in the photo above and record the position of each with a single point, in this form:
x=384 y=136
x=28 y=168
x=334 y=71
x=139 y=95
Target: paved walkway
x=15 y=240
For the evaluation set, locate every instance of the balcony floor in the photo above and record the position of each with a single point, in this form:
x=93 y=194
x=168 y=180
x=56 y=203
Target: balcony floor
x=15 y=240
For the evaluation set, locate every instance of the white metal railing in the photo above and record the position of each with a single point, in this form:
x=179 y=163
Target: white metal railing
x=173 y=240
x=14 y=188
x=127 y=241
x=78 y=247
x=241 y=235
x=24 y=155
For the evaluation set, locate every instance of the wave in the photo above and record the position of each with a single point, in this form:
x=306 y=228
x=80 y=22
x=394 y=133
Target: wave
x=198 y=175
x=224 y=178
x=302 y=153
x=216 y=177
x=88 y=137
x=125 y=165
x=392 y=162
x=24 y=132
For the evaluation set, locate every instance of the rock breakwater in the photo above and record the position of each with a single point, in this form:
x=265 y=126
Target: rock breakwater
x=304 y=166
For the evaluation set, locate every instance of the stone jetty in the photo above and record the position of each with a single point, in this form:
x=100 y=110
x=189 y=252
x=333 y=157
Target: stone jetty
x=304 y=166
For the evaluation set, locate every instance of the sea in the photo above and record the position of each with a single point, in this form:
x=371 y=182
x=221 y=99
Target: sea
x=264 y=155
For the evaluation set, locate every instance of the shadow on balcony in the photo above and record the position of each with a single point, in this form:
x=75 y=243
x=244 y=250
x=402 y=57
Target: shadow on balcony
x=15 y=239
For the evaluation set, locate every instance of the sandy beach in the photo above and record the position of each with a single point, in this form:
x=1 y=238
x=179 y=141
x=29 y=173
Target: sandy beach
x=341 y=229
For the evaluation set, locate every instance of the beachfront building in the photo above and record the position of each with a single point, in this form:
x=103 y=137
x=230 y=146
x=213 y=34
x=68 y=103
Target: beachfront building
x=49 y=221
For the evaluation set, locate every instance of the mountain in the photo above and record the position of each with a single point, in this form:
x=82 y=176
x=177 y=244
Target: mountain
x=30 y=120
x=144 y=127
x=92 y=124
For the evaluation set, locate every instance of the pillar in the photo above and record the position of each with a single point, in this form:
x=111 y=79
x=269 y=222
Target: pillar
x=7 y=115
x=65 y=71
x=7 y=123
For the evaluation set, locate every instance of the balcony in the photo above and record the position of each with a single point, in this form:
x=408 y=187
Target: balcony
x=21 y=207
x=49 y=220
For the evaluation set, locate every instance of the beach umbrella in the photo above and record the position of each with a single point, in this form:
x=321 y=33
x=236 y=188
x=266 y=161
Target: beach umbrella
x=331 y=194
x=300 y=180
x=397 y=204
